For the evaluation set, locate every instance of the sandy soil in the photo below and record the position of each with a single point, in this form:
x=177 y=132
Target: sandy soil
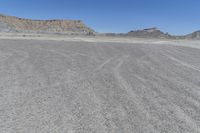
x=92 y=86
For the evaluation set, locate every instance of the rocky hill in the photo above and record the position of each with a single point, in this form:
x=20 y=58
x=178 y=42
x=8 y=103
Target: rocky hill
x=145 y=33
x=194 y=35
x=14 y=24
x=154 y=33
x=149 y=33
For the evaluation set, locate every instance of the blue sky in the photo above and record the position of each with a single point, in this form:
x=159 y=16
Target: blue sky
x=173 y=16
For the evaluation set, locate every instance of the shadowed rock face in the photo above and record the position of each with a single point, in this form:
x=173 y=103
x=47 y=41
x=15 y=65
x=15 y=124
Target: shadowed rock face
x=14 y=24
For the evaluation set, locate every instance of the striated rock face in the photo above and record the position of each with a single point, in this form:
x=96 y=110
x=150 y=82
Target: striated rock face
x=14 y=24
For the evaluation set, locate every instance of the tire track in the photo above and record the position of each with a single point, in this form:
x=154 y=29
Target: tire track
x=184 y=63
x=135 y=98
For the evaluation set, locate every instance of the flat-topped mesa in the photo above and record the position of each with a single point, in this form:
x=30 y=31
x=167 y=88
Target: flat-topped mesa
x=14 y=24
x=149 y=33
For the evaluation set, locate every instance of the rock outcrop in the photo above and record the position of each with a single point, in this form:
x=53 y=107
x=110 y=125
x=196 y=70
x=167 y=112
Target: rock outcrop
x=14 y=24
x=145 y=33
x=194 y=35
x=149 y=33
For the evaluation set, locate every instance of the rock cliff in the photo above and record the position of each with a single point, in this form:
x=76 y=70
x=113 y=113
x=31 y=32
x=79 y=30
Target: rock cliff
x=14 y=24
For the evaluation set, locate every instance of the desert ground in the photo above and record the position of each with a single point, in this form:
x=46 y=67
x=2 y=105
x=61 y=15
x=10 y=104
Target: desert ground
x=89 y=85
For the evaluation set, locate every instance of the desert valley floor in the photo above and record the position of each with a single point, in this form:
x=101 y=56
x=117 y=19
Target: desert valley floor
x=98 y=87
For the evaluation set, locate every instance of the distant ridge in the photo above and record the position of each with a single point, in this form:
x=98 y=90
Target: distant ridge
x=194 y=35
x=15 y=24
x=145 y=33
x=149 y=33
x=11 y=24
x=154 y=33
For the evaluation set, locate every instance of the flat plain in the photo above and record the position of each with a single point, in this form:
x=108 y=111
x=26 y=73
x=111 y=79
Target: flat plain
x=98 y=87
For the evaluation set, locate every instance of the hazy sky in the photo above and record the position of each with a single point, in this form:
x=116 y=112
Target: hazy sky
x=173 y=16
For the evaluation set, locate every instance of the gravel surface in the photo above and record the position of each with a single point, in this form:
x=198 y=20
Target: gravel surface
x=94 y=87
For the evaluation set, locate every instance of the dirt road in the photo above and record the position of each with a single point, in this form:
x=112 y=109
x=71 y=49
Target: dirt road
x=94 y=87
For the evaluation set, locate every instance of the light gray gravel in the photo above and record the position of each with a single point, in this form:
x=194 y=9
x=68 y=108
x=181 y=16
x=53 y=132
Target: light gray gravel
x=82 y=87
